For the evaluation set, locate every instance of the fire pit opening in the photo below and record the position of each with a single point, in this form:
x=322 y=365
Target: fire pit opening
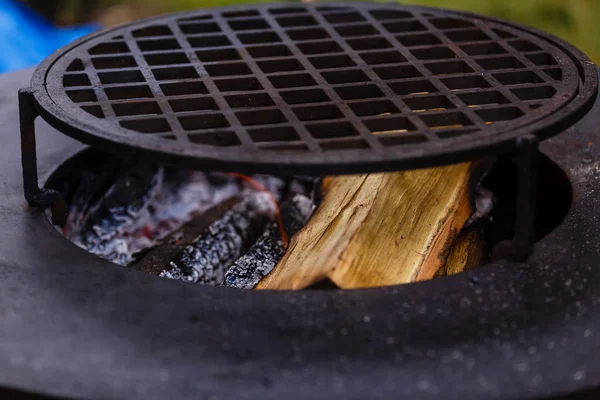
x=314 y=90
x=231 y=230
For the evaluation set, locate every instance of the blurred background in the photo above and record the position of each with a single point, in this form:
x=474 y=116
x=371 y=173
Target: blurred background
x=577 y=21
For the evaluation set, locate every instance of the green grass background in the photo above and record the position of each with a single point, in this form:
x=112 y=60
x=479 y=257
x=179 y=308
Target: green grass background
x=577 y=21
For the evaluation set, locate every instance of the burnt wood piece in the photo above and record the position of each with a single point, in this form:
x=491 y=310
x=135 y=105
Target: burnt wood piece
x=119 y=208
x=470 y=249
x=215 y=251
x=264 y=255
x=157 y=259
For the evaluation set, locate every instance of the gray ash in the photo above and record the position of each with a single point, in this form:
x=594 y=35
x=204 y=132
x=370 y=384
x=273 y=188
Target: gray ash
x=119 y=209
x=143 y=204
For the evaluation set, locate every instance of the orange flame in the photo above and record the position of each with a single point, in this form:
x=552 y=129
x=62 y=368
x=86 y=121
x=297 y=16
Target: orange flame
x=257 y=186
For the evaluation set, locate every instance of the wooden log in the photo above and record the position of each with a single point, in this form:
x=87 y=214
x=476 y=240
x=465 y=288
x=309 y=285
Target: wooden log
x=469 y=251
x=380 y=229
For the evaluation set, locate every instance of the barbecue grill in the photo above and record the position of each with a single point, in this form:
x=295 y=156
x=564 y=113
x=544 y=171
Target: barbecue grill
x=312 y=89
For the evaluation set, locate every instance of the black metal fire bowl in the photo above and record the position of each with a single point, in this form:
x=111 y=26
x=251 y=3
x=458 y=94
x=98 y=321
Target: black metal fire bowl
x=74 y=325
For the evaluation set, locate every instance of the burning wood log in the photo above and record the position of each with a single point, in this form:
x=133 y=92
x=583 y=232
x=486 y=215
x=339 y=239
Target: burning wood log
x=226 y=240
x=183 y=195
x=380 y=229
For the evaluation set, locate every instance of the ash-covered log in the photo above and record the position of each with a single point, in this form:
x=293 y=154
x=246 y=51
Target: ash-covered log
x=214 y=252
x=118 y=209
x=264 y=255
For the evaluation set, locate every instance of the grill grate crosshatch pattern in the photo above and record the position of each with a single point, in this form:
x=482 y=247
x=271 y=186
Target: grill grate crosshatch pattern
x=313 y=83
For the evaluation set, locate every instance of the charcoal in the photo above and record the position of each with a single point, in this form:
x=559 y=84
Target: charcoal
x=260 y=260
x=295 y=212
x=119 y=208
x=264 y=255
x=207 y=259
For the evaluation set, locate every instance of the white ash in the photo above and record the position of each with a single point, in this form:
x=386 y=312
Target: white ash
x=484 y=205
x=184 y=195
x=264 y=255
x=102 y=233
x=175 y=198
x=207 y=260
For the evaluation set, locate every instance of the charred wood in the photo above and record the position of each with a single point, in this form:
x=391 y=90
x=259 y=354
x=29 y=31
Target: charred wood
x=264 y=255
x=215 y=251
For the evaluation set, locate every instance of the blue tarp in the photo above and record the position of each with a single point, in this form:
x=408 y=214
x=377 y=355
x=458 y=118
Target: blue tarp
x=26 y=38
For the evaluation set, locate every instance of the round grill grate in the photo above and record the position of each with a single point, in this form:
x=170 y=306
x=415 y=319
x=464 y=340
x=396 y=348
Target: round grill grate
x=315 y=89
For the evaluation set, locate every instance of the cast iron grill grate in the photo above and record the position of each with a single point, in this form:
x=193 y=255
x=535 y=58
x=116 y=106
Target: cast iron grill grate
x=315 y=88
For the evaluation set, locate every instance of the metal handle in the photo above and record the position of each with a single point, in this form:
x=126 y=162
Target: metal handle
x=36 y=197
x=521 y=246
